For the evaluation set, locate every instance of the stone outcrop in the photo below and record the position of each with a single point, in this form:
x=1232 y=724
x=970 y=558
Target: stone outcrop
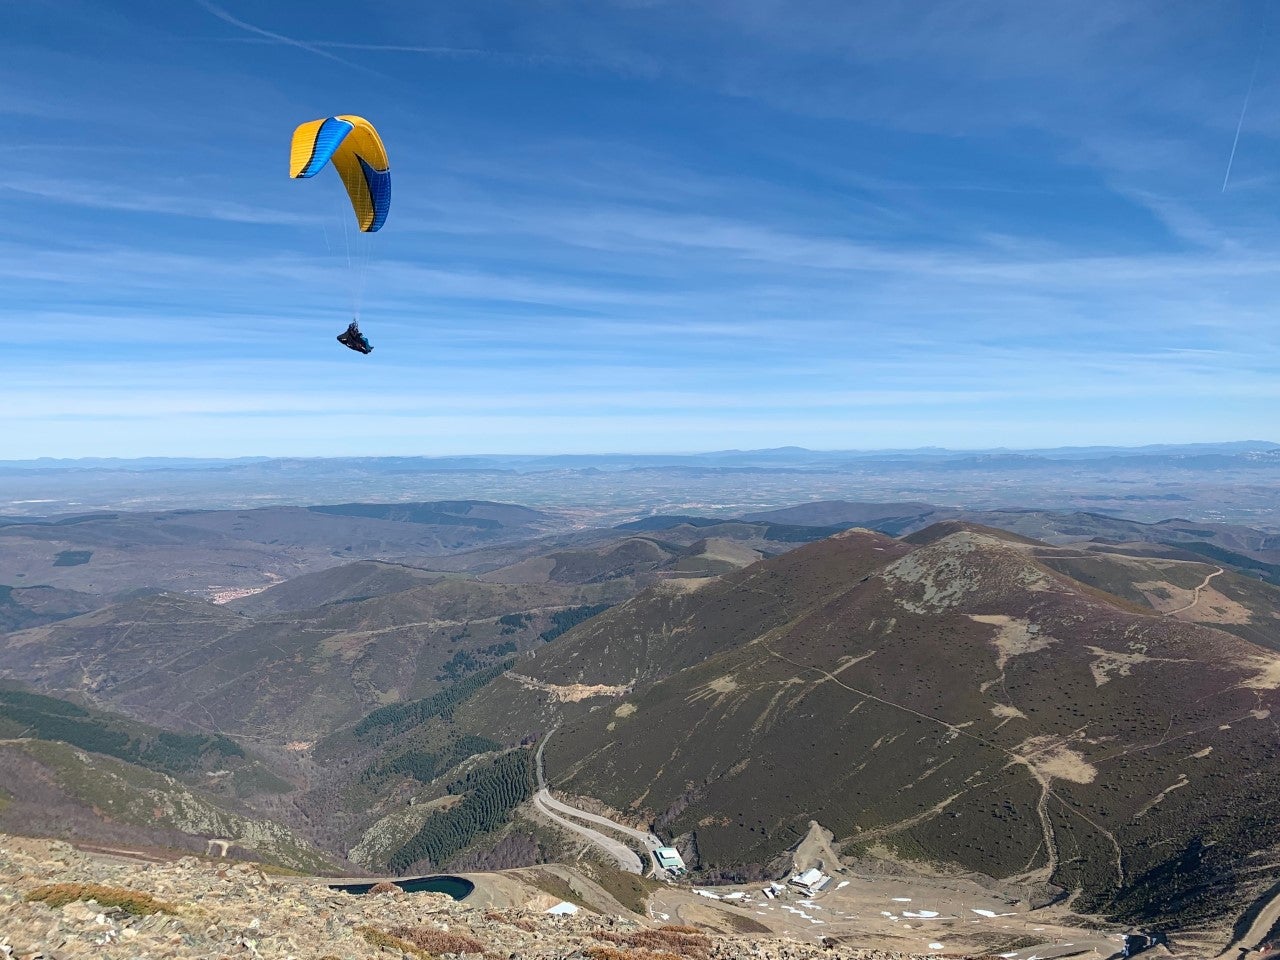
x=224 y=910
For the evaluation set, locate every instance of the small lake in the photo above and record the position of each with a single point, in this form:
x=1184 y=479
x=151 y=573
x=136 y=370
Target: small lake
x=455 y=887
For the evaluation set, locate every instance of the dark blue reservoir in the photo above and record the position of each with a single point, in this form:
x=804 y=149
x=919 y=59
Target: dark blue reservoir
x=455 y=887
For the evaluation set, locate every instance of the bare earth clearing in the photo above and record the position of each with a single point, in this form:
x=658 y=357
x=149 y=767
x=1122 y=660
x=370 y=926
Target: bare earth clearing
x=946 y=916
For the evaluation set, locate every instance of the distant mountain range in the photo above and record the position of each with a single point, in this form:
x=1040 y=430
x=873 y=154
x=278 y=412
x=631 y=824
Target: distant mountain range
x=1234 y=481
x=1263 y=452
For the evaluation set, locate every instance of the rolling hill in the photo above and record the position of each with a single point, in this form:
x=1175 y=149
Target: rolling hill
x=289 y=674
x=1251 y=550
x=34 y=606
x=219 y=553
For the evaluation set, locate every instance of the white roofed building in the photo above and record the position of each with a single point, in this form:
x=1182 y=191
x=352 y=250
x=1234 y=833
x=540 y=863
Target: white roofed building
x=669 y=859
x=811 y=881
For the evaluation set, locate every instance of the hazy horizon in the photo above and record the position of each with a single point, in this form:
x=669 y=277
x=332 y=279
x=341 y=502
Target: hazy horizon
x=1177 y=446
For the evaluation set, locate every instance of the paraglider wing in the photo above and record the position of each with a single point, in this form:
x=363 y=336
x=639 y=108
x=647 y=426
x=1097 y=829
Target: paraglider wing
x=357 y=153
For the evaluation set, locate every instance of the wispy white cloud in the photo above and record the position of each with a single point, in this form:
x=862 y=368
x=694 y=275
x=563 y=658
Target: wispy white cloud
x=112 y=195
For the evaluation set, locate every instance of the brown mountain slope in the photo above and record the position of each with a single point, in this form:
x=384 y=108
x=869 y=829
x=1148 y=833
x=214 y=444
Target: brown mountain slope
x=206 y=552
x=48 y=788
x=680 y=623
x=351 y=581
x=99 y=649
x=33 y=606
x=174 y=660
x=621 y=557
x=958 y=703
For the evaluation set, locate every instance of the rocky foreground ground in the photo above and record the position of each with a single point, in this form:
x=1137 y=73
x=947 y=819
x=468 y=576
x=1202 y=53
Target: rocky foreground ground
x=193 y=908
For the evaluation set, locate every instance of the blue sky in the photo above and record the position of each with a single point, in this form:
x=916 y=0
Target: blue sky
x=638 y=225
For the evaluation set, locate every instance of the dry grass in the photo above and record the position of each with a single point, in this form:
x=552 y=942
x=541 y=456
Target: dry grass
x=130 y=901
x=438 y=941
x=658 y=944
x=386 y=941
x=384 y=886
x=628 y=889
x=556 y=885
x=613 y=953
x=520 y=923
x=746 y=925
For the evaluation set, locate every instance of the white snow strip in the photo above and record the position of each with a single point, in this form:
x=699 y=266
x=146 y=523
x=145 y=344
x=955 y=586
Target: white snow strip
x=736 y=895
x=564 y=907
x=842 y=884
x=708 y=894
x=799 y=913
x=991 y=913
x=920 y=914
x=935 y=946
x=901 y=899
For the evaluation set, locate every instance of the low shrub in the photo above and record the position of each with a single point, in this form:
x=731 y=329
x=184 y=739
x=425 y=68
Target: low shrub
x=130 y=901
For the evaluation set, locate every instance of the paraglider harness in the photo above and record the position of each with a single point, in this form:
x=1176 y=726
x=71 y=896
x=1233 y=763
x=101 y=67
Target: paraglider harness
x=354 y=339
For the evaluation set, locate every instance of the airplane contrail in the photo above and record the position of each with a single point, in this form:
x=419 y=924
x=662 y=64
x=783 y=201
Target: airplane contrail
x=1239 y=126
x=221 y=14
x=1253 y=75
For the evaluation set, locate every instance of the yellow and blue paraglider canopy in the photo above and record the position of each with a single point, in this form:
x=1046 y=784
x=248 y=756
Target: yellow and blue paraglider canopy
x=358 y=155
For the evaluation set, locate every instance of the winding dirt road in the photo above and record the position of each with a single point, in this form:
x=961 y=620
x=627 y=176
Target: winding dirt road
x=1198 y=590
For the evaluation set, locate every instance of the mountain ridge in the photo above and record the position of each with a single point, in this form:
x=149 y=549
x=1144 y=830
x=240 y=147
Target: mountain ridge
x=967 y=649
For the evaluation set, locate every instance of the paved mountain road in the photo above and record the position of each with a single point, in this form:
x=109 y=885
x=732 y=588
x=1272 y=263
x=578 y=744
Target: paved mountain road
x=1251 y=940
x=548 y=805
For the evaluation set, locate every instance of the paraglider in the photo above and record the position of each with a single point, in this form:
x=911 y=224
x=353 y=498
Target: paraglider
x=354 y=339
x=353 y=146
